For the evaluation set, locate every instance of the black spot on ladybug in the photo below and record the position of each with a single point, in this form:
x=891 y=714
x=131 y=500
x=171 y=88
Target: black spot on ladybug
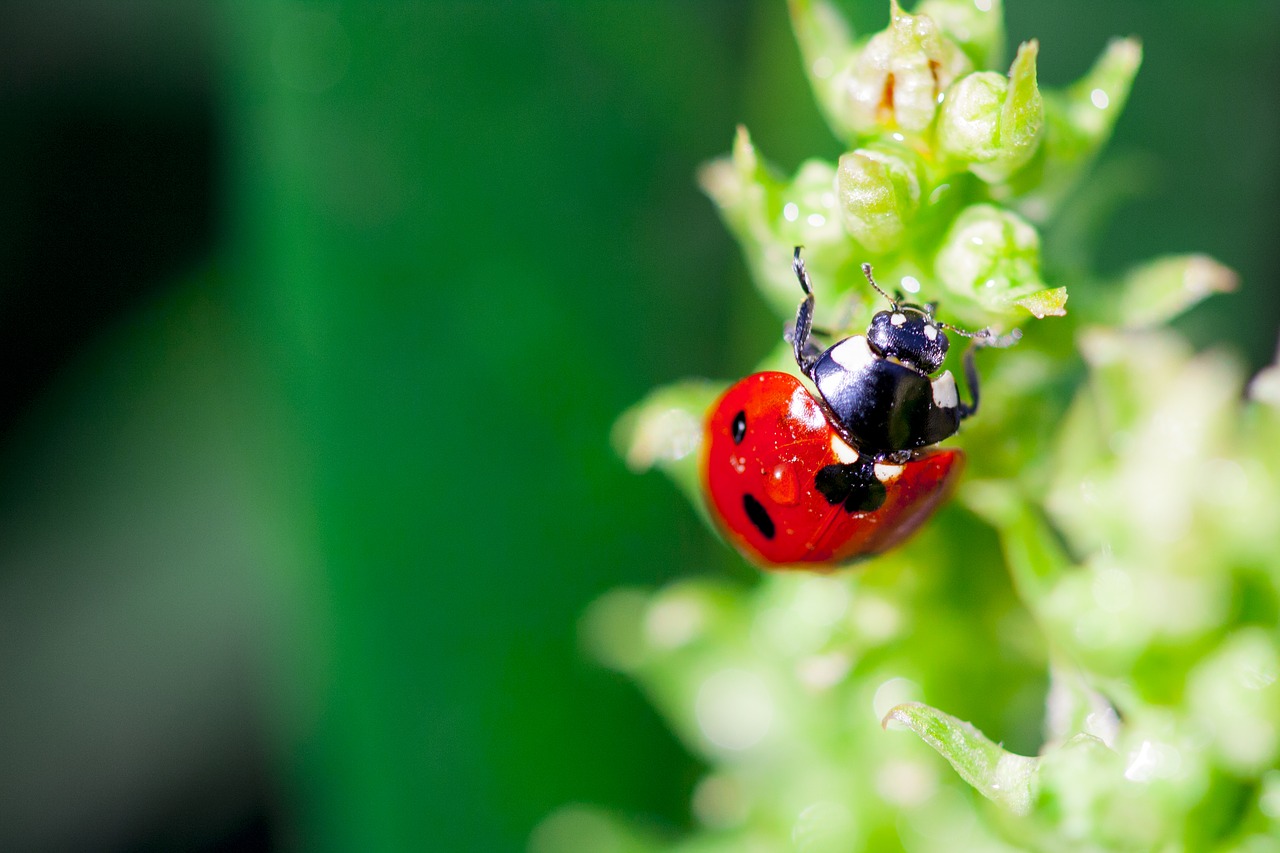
x=854 y=485
x=739 y=427
x=759 y=516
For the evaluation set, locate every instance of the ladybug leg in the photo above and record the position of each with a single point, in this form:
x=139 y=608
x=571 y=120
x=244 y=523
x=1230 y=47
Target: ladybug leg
x=806 y=352
x=985 y=338
x=971 y=379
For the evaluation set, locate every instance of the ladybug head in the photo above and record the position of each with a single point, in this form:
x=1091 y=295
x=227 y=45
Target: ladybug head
x=910 y=335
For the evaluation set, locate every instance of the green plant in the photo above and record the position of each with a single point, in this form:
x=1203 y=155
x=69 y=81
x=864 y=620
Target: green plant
x=1103 y=596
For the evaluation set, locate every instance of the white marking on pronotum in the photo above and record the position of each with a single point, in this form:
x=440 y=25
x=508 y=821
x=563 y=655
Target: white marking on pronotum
x=846 y=454
x=898 y=319
x=931 y=333
x=852 y=353
x=944 y=391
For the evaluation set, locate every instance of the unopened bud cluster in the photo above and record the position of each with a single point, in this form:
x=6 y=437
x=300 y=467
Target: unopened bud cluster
x=949 y=162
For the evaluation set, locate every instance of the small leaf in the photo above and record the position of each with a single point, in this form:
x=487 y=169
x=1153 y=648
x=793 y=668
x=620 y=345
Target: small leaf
x=1045 y=303
x=1095 y=101
x=1077 y=124
x=1001 y=776
x=1158 y=291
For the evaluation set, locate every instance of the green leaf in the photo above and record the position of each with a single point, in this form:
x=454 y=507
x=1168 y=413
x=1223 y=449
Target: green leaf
x=1001 y=776
x=1051 y=302
x=1160 y=290
x=1078 y=122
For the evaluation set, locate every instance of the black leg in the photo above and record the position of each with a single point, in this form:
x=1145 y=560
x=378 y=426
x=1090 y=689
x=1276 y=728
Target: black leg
x=982 y=339
x=971 y=379
x=805 y=352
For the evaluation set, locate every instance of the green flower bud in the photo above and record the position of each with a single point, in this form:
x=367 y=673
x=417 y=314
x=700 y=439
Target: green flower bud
x=892 y=83
x=993 y=122
x=977 y=26
x=878 y=190
x=992 y=257
x=895 y=81
x=771 y=216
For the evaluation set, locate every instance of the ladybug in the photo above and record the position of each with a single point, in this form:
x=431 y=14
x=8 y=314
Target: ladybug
x=794 y=479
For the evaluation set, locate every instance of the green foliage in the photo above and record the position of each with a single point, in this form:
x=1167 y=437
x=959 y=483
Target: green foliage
x=1103 y=597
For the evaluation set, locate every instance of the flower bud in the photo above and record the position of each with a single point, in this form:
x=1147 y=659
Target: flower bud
x=891 y=83
x=895 y=81
x=878 y=191
x=993 y=122
x=771 y=216
x=992 y=257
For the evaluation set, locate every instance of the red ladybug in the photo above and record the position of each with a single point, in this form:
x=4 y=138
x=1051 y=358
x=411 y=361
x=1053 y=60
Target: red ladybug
x=813 y=482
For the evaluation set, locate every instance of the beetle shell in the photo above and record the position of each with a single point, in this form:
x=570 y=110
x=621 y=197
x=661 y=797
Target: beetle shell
x=767 y=440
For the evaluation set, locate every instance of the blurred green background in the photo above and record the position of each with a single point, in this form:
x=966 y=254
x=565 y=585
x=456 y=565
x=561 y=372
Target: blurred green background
x=314 y=320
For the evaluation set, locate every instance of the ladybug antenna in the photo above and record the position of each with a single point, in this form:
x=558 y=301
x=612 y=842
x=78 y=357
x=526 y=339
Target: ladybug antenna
x=986 y=337
x=866 y=270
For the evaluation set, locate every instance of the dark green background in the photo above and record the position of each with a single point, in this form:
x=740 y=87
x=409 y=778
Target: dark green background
x=315 y=318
